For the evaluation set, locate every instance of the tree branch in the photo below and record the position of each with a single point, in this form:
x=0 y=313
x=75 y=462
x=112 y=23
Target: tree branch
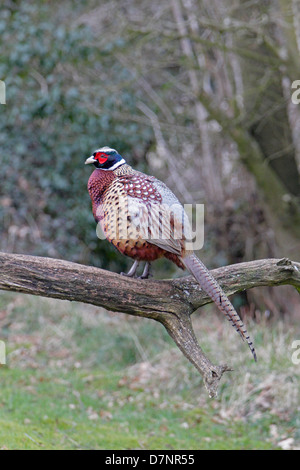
x=171 y=302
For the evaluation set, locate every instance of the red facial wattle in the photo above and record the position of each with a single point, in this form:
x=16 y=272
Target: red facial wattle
x=101 y=157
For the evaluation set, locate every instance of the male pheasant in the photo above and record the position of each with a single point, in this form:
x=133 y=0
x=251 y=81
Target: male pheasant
x=144 y=220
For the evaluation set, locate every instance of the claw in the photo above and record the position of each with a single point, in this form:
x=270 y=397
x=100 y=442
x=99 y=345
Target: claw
x=132 y=270
x=147 y=271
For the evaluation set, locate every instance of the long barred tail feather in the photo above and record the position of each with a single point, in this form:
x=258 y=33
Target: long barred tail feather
x=212 y=288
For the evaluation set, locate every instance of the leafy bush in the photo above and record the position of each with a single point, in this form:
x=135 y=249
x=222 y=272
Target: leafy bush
x=58 y=109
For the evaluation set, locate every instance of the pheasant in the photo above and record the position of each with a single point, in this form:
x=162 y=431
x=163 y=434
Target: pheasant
x=144 y=220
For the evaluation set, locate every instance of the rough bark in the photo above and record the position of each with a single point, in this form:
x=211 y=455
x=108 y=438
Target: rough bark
x=171 y=302
x=265 y=137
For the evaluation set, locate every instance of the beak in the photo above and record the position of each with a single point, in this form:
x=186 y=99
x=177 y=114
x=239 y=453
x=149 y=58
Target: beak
x=90 y=160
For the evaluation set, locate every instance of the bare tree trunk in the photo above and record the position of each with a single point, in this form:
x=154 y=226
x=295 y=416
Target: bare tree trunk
x=266 y=105
x=213 y=187
x=169 y=302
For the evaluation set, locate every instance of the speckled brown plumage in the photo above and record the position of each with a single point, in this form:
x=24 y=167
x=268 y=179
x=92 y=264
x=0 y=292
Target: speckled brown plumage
x=109 y=192
x=144 y=220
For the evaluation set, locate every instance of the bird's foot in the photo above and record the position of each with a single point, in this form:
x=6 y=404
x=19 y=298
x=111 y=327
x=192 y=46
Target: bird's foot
x=132 y=270
x=147 y=271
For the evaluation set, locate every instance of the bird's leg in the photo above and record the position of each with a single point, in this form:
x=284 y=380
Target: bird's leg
x=147 y=271
x=132 y=270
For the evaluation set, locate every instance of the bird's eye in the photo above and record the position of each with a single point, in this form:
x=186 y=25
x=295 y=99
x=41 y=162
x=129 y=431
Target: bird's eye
x=101 y=157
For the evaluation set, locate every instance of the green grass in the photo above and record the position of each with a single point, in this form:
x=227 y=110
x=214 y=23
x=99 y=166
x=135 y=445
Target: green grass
x=78 y=377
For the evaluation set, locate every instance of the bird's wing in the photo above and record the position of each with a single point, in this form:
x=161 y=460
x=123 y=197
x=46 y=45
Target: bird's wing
x=155 y=212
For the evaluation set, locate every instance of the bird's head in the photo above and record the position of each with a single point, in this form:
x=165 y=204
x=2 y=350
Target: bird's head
x=106 y=158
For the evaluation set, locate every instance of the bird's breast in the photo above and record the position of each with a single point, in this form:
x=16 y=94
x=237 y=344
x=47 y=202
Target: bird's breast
x=98 y=184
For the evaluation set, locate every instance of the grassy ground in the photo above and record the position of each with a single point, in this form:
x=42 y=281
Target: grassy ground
x=78 y=377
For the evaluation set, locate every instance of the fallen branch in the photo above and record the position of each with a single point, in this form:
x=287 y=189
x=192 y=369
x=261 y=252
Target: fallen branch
x=170 y=302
